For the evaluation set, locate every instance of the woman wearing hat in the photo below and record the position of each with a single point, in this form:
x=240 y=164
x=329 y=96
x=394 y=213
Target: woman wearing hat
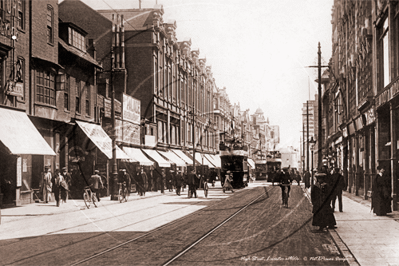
x=381 y=195
x=320 y=195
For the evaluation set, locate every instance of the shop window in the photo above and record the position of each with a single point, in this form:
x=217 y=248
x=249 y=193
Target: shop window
x=50 y=24
x=45 y=87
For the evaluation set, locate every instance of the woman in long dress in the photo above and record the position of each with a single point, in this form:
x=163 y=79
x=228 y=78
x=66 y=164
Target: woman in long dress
x=323 y=215
x=381 y=196
x=227 y=182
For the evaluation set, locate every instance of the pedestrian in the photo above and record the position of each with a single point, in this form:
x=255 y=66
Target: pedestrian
x=170 y=179
x=306 y=179
x=227 y=182
x=162 y=180
x=56 y=186
x=192 y=183
x=381 y=192
x=323 y=215
x=143 y=181
x=178 y=182
x=338 y=185
x=285 y=184
x=46 y=184
x=96 y=183
x=68 y=182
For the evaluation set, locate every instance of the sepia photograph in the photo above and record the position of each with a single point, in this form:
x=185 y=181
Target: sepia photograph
x=199 y=132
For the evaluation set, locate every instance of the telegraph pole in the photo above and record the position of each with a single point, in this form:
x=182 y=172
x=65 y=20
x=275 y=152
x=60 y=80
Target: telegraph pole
x=194 y=141
x=307 y=135
x=319 y=136
x=319 y=130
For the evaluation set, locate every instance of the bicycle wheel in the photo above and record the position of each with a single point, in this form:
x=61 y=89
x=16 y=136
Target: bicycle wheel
x=125 y=194
x=86 y=199
x=94 y=199
x=120 y=195
x=206 y=190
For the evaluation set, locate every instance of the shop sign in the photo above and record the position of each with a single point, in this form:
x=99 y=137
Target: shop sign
x=149 y=141
x=131 y=133
x=107 y=108
x=388 y=94
x=131 y=109
x=370 y=116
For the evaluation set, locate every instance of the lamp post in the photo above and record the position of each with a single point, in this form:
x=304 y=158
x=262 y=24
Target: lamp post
x=312 y=142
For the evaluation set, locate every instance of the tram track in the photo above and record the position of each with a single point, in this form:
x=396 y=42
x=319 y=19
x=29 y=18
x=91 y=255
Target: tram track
x=255 y=200
x=99 y=235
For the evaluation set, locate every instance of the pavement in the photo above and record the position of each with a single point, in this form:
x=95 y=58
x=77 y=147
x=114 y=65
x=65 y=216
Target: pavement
x=364 y=238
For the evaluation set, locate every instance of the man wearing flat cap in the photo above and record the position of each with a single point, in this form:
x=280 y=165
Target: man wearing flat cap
x=381 y=194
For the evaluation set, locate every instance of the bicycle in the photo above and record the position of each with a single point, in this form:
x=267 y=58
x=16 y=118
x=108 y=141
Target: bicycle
x=89 y=197
x=122 y=193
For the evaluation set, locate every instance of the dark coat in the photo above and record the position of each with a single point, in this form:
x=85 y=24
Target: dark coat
x=338 y=183
x=322 y=212
x=381 y=196
x=192 y=179
x=178 y=180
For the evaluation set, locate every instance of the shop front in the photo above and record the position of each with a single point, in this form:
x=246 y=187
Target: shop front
x=20 y=143
x=89 y=149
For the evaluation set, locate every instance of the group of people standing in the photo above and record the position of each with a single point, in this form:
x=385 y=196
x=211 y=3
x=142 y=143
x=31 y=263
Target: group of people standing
x=59 y=184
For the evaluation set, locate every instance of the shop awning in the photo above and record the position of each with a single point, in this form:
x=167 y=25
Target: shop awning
x=251 y=163
x=137 y=155
x=157 y=158
x=100 y=138
x=216 y=159
x=183 y=156
x=206 y=161
x=173 y=158
x=20 y=136
x=201 y=159
x=210 y=159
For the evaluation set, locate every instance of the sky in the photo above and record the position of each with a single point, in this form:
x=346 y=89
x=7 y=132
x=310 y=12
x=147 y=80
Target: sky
x=260 y=50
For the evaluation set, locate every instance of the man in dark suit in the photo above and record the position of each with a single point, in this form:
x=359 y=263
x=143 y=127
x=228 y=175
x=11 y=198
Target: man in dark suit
x=338 y=186
x=192 y=183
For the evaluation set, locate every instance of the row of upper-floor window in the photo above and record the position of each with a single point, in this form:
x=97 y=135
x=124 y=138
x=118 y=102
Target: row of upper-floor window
x=178 y=135
x=179 y=87
x=46 y=89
